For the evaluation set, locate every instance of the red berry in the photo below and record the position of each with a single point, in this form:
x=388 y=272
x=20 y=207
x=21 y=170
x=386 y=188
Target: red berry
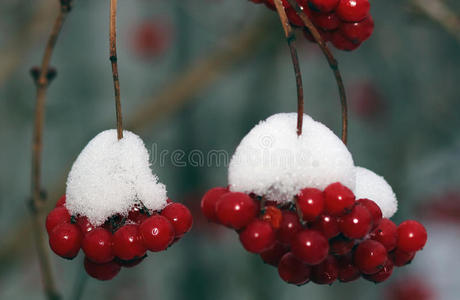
x=338 y=198
x=273 y=216
x=310 y=246
x=342 y=43
x=289 y=227
x=65 y=240
x=273 y=255
x=236 y=210
x=56 y=217
x=61 y=201
x=97 y=245
x=127 y=242
x=101 y=271
x=358 y=32
x=357 y=223
x=327 y=225
x=324 y=5
x=151 y=38
x=411 y=236
x=84 y=224
x=326 y=21
x=157 y=233
x=369 y=256
x=340 y=245
x=383 y=274
x=353 y=10
x=386 y=233
x=311 y=203
x=293 y=17
x=179 y=216
x=326 y=272
x=293 y=270
x=136 y=215
x=209 y=200
x=373 y=208
x=401 y=258
x=347 y=270
x=257 y=237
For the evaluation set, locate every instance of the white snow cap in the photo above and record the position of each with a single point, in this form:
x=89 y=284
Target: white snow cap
x=111 y=176
x=374 y=187
x=274 y=162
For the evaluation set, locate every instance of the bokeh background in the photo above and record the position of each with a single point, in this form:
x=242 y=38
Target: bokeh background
x=197 y=75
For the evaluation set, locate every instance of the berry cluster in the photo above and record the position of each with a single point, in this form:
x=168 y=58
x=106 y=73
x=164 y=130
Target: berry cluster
x=344 y=23
x=323 y=236
x=120 y=241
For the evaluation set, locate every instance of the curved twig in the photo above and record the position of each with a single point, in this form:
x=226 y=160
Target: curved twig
x=332 y=63
x=42 y=81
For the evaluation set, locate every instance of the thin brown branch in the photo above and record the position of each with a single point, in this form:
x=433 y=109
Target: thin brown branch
x=332 y=63
x=290 y=38
x=438 y=11
x=38 y=197
x=113 y=60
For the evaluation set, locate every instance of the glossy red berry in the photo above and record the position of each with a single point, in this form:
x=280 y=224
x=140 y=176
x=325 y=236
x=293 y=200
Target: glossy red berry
x=136 y=215
x=347 y=270
x=401 y=258
x=311 y=203
x=383 y=274
x=358 y=32
x=61 y=201
x=65 y=240
x=292 y=270
x=105 y=271
x=293 y=17
x=327 y=225
x=374 y=210
x=273 y=215
x=157 y=233
x=412 y=236
x=357 y=223
x=209 y=200
x=386 y=233
x=289 y=227
x=310 y=246
x=342 y=43
x=97 y=245
x=179 y=216
x=341 y=245
x=56 y=217
x=257 y=237
x=323 y=5
x=84 y=224
x=338 y=199
x=326 y=21
x=326 y=272
x=353 y=10
x=273 y=255
x=369 y=256
x=236 y=210
x=127 y=242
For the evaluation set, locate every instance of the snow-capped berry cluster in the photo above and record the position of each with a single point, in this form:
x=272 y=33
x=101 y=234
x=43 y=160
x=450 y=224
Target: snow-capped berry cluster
x=326 y=236
x=120 y=241
x=344 y=23
x=114 y=208
x=302 y=204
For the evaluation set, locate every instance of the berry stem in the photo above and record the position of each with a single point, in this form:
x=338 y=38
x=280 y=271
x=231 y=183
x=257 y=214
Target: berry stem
x=299 y=211
x=38 y=197
x=113 y=60
x=332 y=63
x=290 y=38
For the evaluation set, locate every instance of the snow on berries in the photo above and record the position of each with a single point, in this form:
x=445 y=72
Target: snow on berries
x=114 y=209
x=305 y=208
x=344 y=23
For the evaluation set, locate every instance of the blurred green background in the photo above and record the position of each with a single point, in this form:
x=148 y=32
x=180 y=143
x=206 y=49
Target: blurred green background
x=198 y=75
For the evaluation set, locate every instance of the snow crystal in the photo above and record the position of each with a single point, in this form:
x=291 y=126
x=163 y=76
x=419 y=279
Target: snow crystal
x=274 y=162
x=374 y=187
x=111 y=176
